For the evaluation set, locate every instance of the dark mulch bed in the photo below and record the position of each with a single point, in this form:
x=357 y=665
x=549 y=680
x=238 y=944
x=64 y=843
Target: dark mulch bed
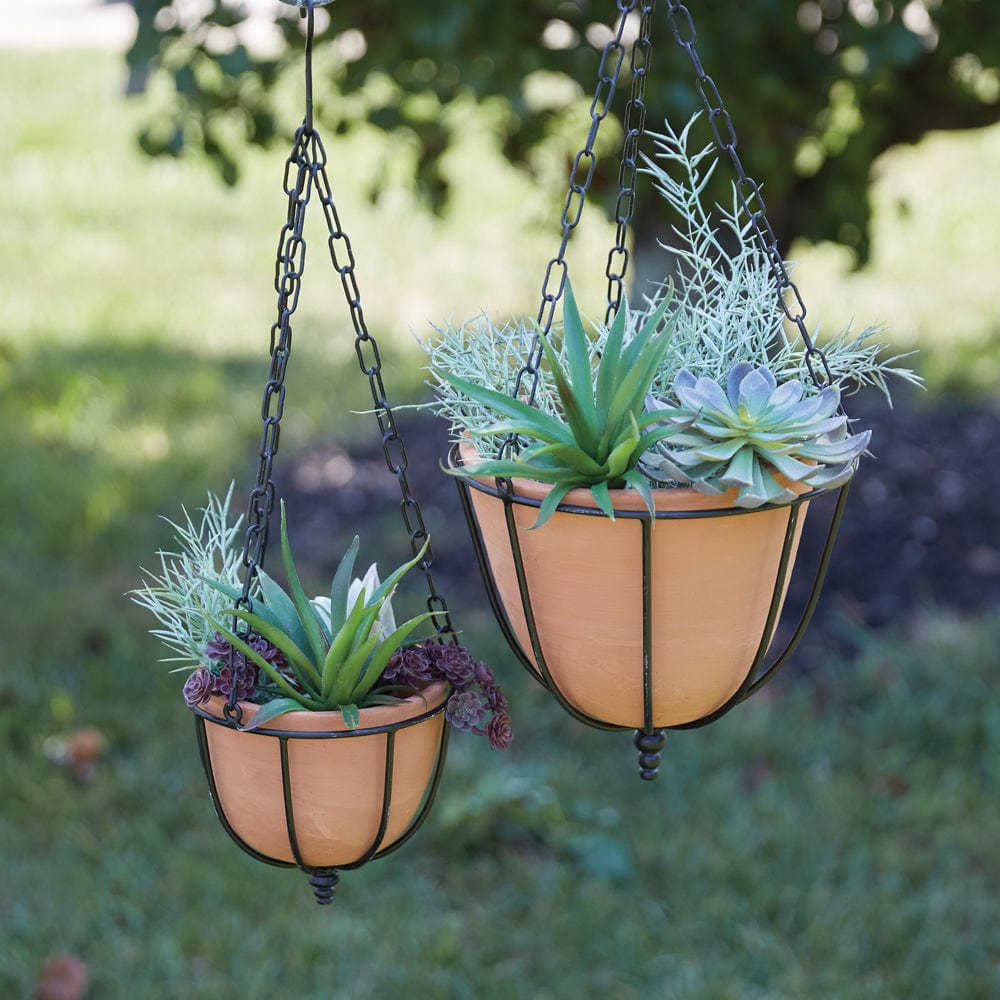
x=920 y=528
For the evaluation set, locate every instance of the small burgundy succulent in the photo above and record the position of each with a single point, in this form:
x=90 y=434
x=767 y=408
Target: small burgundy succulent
x=414 y=666
x=199 y=687
x=230 y=662
x=498 y=731
x=245 y=680
x=482 y=711
x=466 y=710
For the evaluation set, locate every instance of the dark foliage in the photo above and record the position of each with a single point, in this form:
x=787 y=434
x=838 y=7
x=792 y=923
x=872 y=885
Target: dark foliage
x=816 y=89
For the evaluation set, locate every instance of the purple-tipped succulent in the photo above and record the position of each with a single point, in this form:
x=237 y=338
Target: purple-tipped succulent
x=467 y=711
x=482 y=711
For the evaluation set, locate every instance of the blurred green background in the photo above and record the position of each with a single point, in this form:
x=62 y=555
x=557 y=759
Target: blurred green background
x=833 y=837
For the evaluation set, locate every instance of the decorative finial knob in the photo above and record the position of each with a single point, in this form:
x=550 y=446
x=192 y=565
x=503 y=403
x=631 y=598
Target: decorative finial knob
x=649 y=745
x=324 y=883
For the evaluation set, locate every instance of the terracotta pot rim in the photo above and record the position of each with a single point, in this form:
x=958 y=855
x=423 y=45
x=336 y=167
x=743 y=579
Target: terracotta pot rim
x=665 y=499
x=380 y=718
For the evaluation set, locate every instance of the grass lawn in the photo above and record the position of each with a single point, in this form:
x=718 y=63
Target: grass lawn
x=833 y=838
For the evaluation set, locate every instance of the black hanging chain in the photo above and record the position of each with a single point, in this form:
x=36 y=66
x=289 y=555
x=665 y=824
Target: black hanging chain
x=634 y=123
x=370 y=362
x=306 y=175
x=581 y=174
x=747 y=191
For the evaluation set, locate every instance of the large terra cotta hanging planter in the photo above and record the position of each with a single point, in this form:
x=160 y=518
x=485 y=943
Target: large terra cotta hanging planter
x=640 y=622
x=305 y=790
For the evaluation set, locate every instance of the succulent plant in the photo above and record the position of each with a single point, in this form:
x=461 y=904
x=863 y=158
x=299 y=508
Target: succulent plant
x=341 y=651
x=335 y=655
x=739 y=437
x=601 y=429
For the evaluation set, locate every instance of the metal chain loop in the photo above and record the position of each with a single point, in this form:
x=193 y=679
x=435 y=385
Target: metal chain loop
x=370 y=364
x=288 y=267
x=747 y=191
x=581 y=174
x=305 y=174
x=634 y=122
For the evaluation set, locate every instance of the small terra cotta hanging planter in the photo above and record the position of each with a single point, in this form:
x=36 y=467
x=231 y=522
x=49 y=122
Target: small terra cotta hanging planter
x=641 y=622
x=305 y=790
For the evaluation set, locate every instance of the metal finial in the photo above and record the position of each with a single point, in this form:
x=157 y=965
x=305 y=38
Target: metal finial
x=324 y=883
x=649 y=745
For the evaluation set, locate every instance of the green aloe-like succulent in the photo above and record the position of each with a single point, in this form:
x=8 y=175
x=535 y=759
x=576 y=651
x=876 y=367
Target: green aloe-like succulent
x=601 y=430
x=335 y=655
x=738 y=437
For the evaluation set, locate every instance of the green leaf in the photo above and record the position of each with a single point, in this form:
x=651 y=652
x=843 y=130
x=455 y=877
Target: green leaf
x=522 y=427
x=642 y=486
x=268 y=668
x=721 y=451
x=630 y=394
x=791 y=468
x=271 y=710
x=740 y=471
x=281 y=606
x=517 y=467
x=578 y=355
x=340 y=587
x=298 y=660
x=568 y=456
x=307 y=615
x=639 y=343
x=603 y=497
x=227 y=589
x=235 y=593
x=552 y=500
x=383 y=699
x=352 y=717
x=577 y=405
x=368 y=623
x=351 y=669
x=380 y=660
x=507 y=405
x=341 y=645
x=654 y=437
x=607 y=369
x=624 y=455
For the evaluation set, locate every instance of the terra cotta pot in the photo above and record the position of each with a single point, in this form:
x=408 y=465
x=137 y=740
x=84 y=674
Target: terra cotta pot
x=711 y=579
x=337 y=783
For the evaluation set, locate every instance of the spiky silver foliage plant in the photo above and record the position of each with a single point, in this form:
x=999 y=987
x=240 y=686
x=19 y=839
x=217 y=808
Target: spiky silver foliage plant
x=725 y=297
x=488 y=354
x=182 y=596
x=738 y=437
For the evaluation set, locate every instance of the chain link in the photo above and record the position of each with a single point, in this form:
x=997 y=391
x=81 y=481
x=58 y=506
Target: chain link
x=370 y=364
x=580 y=176
x=634 y=123
x=306 y=175
x=747 y=191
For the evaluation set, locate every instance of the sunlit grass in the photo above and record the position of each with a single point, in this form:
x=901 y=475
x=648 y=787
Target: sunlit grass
x=829 y=839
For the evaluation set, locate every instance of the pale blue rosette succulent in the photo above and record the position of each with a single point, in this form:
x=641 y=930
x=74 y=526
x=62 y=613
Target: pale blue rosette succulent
x=741 y=436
